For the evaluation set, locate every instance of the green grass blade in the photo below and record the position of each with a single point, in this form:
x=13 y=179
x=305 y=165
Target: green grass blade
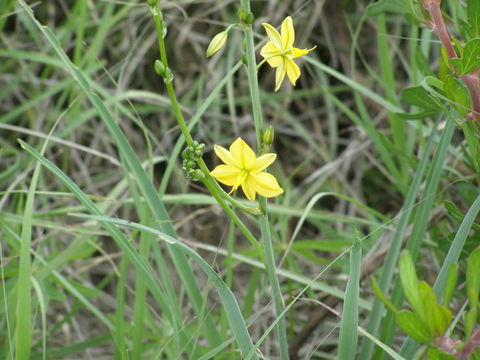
x=347 y=346
x=237 y=323
x=375 y=316
x=133 y=256
x=148 y=190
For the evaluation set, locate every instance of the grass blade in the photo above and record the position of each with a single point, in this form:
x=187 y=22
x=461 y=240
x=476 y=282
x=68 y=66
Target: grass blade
x=237 y=323
x=347 y=346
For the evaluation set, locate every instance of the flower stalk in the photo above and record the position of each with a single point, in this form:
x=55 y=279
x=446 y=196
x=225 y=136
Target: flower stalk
x=217 y=192
x=264 y=223
x=471 y=80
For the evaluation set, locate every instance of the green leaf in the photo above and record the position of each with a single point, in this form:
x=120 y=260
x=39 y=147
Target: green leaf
x=381 y=296
x=470 y=59
x=418 y=96
x=408 y=278
x=429 y=305
x=473 y=277
x=473 y=15
x=411 y=325
x=450 y=284
x=442 y=319
x=457 y=93
x=348 y=339
x=470 y=321
x=436 y=354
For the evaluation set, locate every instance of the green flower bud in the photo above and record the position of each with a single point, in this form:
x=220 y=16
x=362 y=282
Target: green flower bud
x=159 y=68
x=217 y=43
x=249 y=19
x=168 y=76
x=199 y=174
x=152 y=3
x=187 y=152
x=245 y=59
x=268 y=136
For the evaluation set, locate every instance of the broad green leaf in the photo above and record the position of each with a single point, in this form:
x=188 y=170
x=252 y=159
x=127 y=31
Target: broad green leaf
x=419 y=97
x=473 y=277
x=470 y=321
x=473 y=15
x=470 y=59
x=408 y=278
x=457 y=93
x=450 y=284
x=429 y=305
x=442 y=319
x=413 y=327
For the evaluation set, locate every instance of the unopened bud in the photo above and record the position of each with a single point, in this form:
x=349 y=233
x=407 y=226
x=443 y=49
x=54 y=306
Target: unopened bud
x=268 y=136
x=217 y=43
x=151 y=2
x=159 y=68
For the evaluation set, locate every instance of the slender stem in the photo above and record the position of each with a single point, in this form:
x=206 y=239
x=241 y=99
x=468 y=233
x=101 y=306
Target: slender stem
x=471 y=80
x=264 y=223
x=212 y=186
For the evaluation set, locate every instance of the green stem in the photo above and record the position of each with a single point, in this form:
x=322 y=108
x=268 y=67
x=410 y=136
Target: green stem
x=264 y=223
x=211 y=185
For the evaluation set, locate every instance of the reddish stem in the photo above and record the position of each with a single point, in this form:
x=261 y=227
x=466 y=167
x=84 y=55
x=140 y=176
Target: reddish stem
x=471 y=80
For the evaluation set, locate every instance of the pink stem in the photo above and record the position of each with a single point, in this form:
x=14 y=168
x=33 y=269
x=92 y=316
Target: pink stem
x=471 y=80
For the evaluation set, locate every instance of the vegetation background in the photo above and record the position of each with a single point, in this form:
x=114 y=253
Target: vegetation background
x=351 y=166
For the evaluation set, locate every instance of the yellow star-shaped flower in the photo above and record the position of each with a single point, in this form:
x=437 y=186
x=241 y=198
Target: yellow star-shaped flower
x=243 y=168
x=279 y=52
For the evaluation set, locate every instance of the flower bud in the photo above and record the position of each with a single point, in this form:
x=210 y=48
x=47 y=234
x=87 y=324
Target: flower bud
x=217 y=43
x=268 y=136
x=159 y=68
x=151 y=2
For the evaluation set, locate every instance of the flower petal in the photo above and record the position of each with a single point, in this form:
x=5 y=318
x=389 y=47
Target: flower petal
x=280 y=74
x=225 y=155
x=262 y=162
x=273 y=35
x=296 y=52
x=248 y=188
x=242 y=154
x=270 y=52
x=265 y=184
x=293 y=71
x=227 y=175
x=287 y=32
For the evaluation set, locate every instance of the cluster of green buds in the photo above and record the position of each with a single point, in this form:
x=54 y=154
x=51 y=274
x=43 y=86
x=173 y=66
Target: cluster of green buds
x=163 y=71
x=191 y=154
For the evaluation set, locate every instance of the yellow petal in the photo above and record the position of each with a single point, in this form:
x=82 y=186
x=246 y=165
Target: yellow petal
x=265 y=184
x=248 y=188
x=242 y=154
x=287 y=32
x=280 y=74
x=262 y=162
x=293 y=71
x=296 y=52
x=273 y=35
x=224 y=155
x=227 y=175
x=268 y=52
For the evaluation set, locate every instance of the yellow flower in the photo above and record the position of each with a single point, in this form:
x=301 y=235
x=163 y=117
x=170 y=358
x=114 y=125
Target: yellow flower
x=243 y=168
x=279 y=52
